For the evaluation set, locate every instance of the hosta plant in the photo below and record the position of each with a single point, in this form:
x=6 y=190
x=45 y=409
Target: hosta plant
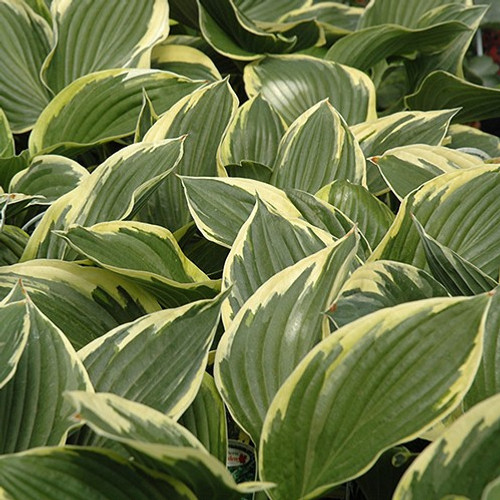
x=248 y=233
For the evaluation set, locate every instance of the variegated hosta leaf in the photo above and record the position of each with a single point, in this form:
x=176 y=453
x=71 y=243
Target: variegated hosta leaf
x=103 y=106
x=253 y=134
x=367 y=47
x=373 y=217
x=50 y=176
x=220 y=206
x=14 y=332
x=41 y=7
x=463 y=137
x=487 y=380
x=461 y=210
x=33 y=412
x=25 y=39
x=275 y=328
x=266 y=244
x=84 y=302
x=11 y=166
x=441 y=90
x=148 y=255
x=206 y=419
x=380 y=284
x=408 y=167
x=114 y=190
x=295 y=83
x=193 y=116
x=115 y=417
x=394 y=12
x=7 y=146
x=301 y=164
x=462 y=461
x=157 y=360
x=232 y=33
x=184 y=60
x=83 y=474
x=147 y=118
x=84 y=44
x=400 y=129
x=13 y=240
x=158 y=442
x=403 y=382
x=459 y=276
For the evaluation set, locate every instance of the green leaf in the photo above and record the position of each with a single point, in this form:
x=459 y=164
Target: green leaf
x=301 y=164
x=84 y=44
x=275 y=328
x=102 y=107
x=441 y=90
x=192 y=116
x=51 y=176
x=220 y=206
x=269 y=10
x=487 y=380
x=406 y=168
x=462 y=461
x=292 y=84
x=266 y=244
x=33 y=412
x=13 y=333
x=463 y=136
x=11 y=166
x=206 y=419
x=409 y=380
x=114 y=190
x=460 y=210
x=367 y=47
x=168 y=347
x=250 y=170
x=83 y=474
x=7 y=147
x=13 y=240
x=393 y=12
x=84 y=302
x=253 y=134
x=146 y=254
x=185 y=60
x=399 y=129
x=372 y=216
x=381 y=284
x=25 y=38
x=459 y=276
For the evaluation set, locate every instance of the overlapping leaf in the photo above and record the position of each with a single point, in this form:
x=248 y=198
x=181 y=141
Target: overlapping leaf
x=254 y=134
x=295 y=83
x=406 y=168
x=471 y=139
x=192 y=116
x=148 y=255
x=33 y=412
x=114 y=190
x=403 y=379
x=381 y=284
x=301 y=164
x=84 y=302
x=459 y=210
x=12 y=243
x=275 y=328
x=459 y=463
x=104 y=106
x=7 y=147
x=266 y=244
x=157 y=360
